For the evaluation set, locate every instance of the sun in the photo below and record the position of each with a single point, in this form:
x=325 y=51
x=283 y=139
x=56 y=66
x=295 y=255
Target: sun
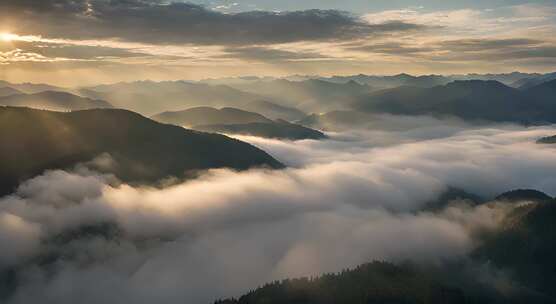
x=7 y=37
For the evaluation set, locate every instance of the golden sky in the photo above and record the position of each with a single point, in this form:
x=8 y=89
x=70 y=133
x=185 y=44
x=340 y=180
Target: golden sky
x=84 y=42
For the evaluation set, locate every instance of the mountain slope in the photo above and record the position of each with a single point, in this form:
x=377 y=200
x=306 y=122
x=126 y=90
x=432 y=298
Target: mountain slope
x=274 y=111
x=543 y=96
x=30 y=88
x=54 y=101
x=547 y=140
x=524 y=195
x=32 y=141
x=7 y=91
x=209 y=116
x=530 y=82
x=377 y=282
x=525 y=246
x=279 y=130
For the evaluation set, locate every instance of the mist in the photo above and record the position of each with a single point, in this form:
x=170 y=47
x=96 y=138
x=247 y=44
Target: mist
x=351 y=199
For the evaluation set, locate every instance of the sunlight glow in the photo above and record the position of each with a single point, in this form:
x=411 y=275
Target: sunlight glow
x=7 y=37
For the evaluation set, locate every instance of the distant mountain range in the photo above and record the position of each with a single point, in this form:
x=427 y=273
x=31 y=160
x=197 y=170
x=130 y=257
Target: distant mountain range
x=312 y=95
x=529 y=82
x=236 y=121
x=53 y=100
x=149 y=97
x=30 y=88
x=273 y=110
x=7 y=91
x=382 y=82
x=32 y=141
x=469 y=100
x=513 y=97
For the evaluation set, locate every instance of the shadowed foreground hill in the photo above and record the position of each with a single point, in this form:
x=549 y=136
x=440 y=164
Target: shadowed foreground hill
x=53 y=101
x=370 y=283
x=525 y=244
x=32 y=141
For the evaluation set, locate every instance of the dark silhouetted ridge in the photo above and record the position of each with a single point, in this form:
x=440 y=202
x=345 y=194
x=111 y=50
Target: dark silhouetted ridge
x=32 y=141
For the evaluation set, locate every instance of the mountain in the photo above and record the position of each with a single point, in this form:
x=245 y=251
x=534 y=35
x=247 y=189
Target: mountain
x=525 y=246
x=509 y=79
x=451 y=195
x=427 y=81
x=236 y=80
x=7 y=91
x=236 y=121
x=209 y=116
x=521 y=195
x=280 y=129
x=274 y=111
x=337 y=120
x=533 y=81
x=376 y=282
x=547 y=140
x=469 y=100
x=53 y=100
x=543 y=96
x=150 y=97
x=383 y=82
x=310 y=95
x=32 y=141
x=30 y=88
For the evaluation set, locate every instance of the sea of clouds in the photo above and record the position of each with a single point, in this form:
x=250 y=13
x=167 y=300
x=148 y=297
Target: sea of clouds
x=351 y=199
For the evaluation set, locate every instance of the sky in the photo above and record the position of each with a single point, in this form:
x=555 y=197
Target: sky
x=84 y=42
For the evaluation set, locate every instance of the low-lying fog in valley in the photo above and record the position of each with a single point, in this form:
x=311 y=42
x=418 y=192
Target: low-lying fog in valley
x=358 y=196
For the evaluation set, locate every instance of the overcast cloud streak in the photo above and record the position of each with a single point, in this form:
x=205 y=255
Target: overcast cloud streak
x=183 y=23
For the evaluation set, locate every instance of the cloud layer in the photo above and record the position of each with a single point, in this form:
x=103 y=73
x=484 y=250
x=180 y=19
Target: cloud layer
x=345 y=201
x=182 y=23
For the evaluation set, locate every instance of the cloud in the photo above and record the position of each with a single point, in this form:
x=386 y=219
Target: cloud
x=346 y=201
x=38 y=51
x=267 y=54
x=465 y=49
x=391 y=48
x=487 y=44
x=183 y=23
